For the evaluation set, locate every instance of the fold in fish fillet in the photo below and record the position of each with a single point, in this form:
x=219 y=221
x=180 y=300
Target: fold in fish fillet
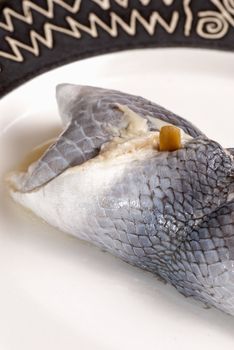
x=141 y=183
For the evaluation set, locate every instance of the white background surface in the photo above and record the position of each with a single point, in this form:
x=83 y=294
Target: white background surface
x=57 y=292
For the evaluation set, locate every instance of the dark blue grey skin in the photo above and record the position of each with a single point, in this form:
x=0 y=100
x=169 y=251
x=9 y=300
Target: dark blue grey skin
x=178 y=214
x=89 y=115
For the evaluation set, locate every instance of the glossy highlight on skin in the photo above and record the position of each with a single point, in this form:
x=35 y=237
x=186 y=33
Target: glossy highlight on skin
x=166 y=209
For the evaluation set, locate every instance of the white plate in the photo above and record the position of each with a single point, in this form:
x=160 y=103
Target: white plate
x=57 y=292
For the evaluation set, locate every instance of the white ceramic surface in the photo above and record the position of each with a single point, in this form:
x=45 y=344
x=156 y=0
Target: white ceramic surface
x=57 y=292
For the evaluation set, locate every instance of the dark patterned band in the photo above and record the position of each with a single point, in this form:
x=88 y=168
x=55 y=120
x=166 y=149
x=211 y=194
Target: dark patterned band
x=37 y=35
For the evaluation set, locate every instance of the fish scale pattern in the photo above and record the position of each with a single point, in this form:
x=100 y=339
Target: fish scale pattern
x=170 y=225
x=171 y=213
x=93 y=120
x=203 y=266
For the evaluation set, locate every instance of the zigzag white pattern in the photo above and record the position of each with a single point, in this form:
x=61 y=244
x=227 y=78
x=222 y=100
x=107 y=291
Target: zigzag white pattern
x=28 y=5
x=211 y=24
x=27 y=16
x=76 y=28
x=105 y=4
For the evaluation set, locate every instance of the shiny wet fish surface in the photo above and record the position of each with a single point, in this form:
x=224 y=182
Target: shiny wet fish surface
x=102 y=180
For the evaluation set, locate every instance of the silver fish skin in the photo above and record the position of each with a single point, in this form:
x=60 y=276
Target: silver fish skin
x=91 y=119
x=171 y=213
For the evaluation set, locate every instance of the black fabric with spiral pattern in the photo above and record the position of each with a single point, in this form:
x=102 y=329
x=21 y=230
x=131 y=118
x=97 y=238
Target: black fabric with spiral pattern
x=36 y=36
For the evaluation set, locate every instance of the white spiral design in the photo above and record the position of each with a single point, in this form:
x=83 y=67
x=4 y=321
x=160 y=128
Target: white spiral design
x=229 y=4
x=212 y=25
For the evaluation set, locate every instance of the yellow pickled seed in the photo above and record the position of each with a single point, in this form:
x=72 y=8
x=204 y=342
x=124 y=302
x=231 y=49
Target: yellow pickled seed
x=169 y=138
